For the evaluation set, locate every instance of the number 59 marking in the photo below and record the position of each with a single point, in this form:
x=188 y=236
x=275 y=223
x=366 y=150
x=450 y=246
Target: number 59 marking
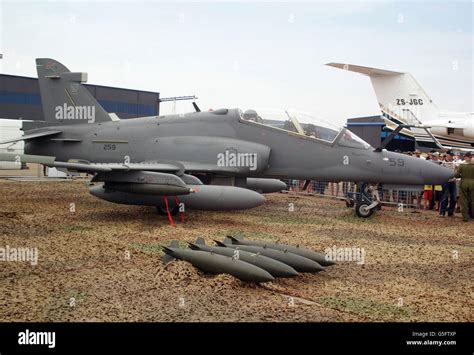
x=396 y=162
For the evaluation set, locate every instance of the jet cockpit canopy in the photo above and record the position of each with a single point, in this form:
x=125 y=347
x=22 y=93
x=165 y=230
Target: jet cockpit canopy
x=300 y=123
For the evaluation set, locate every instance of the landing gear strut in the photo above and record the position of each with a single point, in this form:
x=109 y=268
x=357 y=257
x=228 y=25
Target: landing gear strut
x=362 y=199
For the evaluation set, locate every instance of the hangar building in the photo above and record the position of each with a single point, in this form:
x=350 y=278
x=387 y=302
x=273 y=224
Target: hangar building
x=372 y=129
x=20 y=98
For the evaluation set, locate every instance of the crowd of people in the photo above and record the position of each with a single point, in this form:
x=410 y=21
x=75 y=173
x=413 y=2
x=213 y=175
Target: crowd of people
x=454 y=196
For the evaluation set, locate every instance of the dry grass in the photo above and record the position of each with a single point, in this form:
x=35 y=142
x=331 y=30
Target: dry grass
x=83 y=257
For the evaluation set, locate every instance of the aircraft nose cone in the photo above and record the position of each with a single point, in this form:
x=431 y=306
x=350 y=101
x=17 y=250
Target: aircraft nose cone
x=436 y=174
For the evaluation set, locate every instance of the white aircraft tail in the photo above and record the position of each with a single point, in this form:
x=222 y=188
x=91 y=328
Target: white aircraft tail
x=402 y=100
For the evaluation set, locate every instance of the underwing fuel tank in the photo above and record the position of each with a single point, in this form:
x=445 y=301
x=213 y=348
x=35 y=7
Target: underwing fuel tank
x=146 y=182
x=297 y=262
x=274 y=267
x=217 y=264
x=203 y=197
x=318 y=257
x=152 y=189
x=266 y=186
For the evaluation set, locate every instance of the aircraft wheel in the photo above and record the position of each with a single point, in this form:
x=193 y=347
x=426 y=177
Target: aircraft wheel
x=362 y=210
x=162 y=210
x=349 y=203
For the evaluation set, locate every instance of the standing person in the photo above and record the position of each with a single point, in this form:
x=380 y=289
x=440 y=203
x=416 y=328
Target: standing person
x=300 y=185
x=427 y=196
x=336 y=185
x=437 y=189
x=323 y=188
x=449 y=190
x=374 y=188
x=294 y=183
x=457 y=161
x=437 y=194
x=466 y=173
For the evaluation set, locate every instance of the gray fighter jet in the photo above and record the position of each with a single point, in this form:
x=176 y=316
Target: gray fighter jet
x=145 y=161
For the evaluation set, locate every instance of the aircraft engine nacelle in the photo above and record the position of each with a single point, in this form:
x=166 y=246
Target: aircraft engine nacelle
x=468 y=131
x=203 y=197
x=265 y=186
x=442 y=131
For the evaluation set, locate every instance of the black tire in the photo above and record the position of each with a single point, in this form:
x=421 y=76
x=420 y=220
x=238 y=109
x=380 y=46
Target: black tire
x=162 y=210
x=362 y=210
x=349 y=202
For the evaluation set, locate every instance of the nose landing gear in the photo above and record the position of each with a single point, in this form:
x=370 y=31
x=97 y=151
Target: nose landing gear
x=363 y=200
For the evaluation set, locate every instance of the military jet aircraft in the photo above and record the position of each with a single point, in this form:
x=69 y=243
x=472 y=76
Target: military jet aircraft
x=145 y=161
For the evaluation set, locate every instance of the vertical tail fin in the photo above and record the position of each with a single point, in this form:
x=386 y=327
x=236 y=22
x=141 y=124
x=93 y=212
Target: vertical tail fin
x=402 y=100
x=400 y=96
x=65 y=100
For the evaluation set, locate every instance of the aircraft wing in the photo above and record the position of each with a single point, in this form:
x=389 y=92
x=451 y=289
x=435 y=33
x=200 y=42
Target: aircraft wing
x=80 y=165
x=174 y=167
x=31 y=136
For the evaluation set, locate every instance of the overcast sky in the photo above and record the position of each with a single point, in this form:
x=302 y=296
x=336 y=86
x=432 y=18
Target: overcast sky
x=250 y=54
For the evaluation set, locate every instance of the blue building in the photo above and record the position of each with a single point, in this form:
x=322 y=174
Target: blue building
x=20 y=99
x=373 y=130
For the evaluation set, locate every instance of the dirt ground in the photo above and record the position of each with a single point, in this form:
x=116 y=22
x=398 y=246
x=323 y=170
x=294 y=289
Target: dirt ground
x=103 y=262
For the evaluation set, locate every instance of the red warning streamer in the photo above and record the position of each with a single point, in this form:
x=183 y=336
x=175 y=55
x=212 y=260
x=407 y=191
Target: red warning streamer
x=168 y=211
